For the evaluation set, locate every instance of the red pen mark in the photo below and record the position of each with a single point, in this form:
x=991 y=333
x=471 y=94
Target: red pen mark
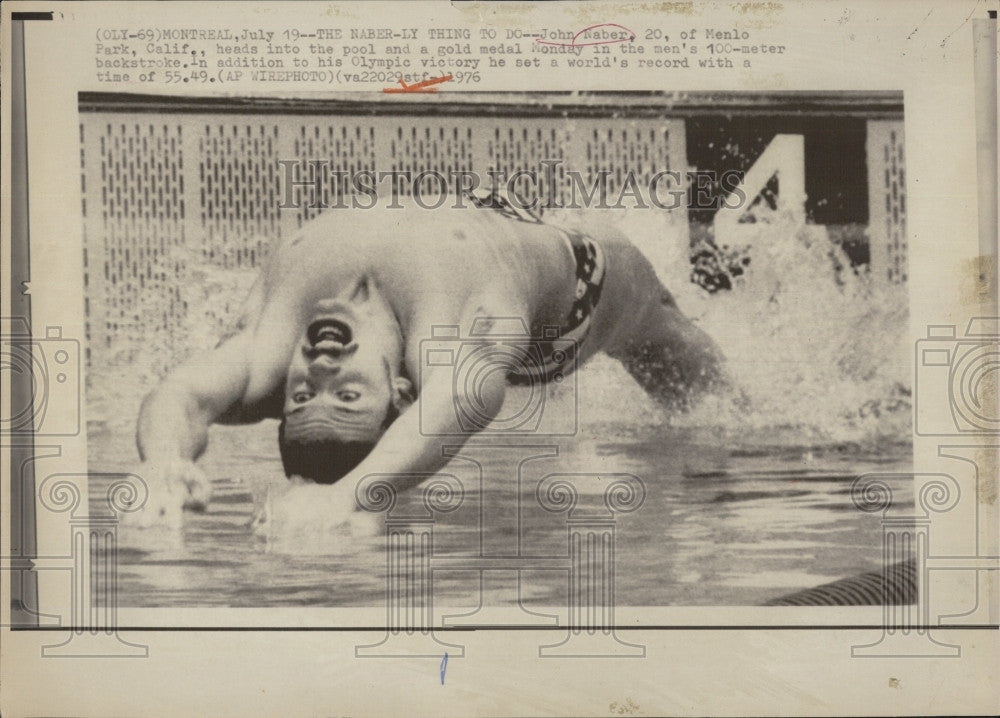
x=423 y=86
x=609 y=41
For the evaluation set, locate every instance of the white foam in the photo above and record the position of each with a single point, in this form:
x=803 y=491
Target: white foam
x=817 y=353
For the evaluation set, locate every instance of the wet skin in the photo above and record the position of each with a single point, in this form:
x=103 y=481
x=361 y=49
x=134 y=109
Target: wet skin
x=330 y=336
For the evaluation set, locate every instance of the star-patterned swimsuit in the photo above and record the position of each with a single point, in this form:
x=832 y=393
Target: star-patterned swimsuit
x=558 y=347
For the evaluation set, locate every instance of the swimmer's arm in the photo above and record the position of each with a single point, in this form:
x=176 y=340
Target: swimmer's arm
x=413 y=443
x=174 y=418
x=409 y=446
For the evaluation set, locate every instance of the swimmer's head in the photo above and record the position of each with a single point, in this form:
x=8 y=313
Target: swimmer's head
x=344 y=385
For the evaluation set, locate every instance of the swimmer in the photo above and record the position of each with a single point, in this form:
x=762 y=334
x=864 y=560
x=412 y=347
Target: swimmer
x=328 y=342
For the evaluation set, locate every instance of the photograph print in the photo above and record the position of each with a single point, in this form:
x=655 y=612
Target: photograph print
x=522 y=350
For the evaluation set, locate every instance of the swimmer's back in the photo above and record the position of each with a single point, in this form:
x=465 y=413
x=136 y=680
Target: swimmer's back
x=416 y=251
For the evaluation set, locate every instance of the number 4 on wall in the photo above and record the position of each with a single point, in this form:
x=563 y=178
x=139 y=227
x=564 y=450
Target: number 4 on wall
x=783 y=158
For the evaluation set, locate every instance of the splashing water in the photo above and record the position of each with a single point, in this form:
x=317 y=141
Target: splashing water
x=817 y=354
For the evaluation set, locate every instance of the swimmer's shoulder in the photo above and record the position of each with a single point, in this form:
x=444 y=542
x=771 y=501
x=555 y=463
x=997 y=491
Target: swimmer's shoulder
x=356 y=235
x=401 y=216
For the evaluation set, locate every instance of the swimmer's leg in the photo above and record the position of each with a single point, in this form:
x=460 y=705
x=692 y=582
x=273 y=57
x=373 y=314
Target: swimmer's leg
x=670 y=357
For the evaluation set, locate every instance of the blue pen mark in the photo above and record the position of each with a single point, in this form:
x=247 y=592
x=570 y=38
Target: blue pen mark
x=444 y=667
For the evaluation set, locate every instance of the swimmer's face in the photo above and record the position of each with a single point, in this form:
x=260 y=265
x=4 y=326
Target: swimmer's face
x=343 y=378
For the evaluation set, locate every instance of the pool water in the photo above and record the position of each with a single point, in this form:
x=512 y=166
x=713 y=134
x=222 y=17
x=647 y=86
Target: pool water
x=719 y=524
x=747 y=496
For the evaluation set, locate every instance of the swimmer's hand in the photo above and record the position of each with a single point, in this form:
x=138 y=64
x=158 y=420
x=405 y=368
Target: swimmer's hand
x=308 y=517
x=173 y=486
